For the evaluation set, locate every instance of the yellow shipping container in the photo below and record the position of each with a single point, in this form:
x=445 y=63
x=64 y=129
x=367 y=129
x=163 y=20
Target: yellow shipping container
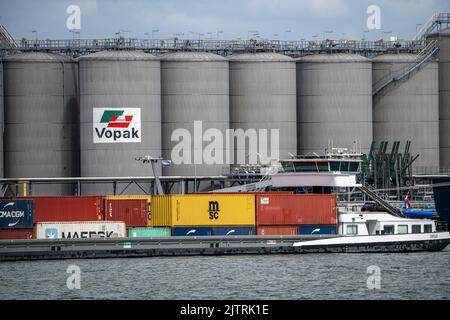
x=203 y=210
x=138 y=197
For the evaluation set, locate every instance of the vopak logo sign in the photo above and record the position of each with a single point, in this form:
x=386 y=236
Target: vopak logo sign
x=117 y=125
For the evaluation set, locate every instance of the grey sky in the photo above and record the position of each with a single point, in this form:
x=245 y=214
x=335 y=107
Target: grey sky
x=103 y=18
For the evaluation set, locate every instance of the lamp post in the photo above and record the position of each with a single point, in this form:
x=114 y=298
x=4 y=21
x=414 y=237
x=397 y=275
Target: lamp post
x=364 y=37
x=153 y=33
x=251 y=31
x=219 y=32
x=286 y=32
x=35 y=31
x=327 y=32
x=417 y=27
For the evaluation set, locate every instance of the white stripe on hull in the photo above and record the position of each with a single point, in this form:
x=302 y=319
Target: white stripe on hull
x=375 y=239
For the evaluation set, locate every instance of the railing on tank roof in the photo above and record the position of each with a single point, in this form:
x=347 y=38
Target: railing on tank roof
x=227 y=46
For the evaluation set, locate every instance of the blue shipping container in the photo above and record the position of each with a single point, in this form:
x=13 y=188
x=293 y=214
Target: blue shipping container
x=313 y=230
x=191 y=231
x=234 y=231
x=16 y=214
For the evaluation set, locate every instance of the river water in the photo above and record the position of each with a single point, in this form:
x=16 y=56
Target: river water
x=314 y=276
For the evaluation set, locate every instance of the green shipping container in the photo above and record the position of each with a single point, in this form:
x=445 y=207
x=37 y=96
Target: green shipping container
x=148 y=232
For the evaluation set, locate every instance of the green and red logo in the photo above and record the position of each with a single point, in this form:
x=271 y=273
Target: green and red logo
x=115 y=119
x=117 y=125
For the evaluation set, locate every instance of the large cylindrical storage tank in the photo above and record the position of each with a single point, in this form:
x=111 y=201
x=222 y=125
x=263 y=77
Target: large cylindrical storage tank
x=263 y=97
x=408 y=110
x=41 y=119
x=120 y=117
x=334 y=102
x=2 y=172
x=443 y=38
x=194 y=88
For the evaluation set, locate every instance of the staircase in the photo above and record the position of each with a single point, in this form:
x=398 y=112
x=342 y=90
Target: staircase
x=422 y=57
x=381 y=202
x=6 y=41
x=436 y=22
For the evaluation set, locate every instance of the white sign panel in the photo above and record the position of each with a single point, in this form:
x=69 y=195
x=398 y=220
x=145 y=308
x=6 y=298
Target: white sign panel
x=117 y=125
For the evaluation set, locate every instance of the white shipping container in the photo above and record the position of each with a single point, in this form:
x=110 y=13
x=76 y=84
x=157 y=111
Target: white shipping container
x=80 y=230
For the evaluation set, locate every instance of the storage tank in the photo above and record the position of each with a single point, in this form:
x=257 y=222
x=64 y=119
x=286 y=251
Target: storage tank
x=263 y=96
x=194 y=87
x=1 y=120
x=41 y=119
x=443 y=38
x=120 y=116
x=334 y=102
x=408 y=109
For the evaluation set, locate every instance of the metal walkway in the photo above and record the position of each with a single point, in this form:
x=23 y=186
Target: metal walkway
x=428 y=52
x=437 y=22
x=384 y=204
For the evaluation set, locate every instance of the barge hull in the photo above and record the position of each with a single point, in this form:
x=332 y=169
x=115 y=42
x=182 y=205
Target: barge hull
x=17 y=250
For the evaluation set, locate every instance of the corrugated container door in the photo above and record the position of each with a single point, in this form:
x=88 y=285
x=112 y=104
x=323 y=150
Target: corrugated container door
x=132 y=212
x=296 y=209
x=76 y=208
x=161 y=214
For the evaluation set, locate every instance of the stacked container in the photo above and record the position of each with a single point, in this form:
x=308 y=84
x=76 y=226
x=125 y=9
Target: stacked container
x=205 y=214
x=134 y=212
x=16 y=219
x=80 y=230
x=295 y=214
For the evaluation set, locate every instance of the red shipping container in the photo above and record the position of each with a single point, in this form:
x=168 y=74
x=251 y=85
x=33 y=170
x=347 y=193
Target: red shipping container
x=16 y=234
x=133 y=212
x=277 y=231
x=67 y=208
x=297 y=209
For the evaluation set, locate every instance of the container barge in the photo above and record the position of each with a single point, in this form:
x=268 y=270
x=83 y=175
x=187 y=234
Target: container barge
x=211 y=223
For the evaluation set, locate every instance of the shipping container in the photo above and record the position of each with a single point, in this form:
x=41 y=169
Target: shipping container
x=80 y=229
x=133 y=212
x=16 y=214
x=203 y=210
x=66 y=208
x=14 y=234
x=135 y=197
x=306 y=230
x=234 y=231
x=192 y=231
x=148 y=232
x=277 y=231
x=304 y=209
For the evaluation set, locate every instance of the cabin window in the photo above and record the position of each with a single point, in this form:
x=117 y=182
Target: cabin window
x=352 y=230
x=402 y=229
x=427 y=228
x=388 y=230
x=416 y=228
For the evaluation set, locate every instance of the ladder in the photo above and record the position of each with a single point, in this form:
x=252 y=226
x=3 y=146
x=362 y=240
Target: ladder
x=384 y=204
x=422 y=57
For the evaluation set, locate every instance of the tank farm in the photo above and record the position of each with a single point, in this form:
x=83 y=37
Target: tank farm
x=73 y=177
